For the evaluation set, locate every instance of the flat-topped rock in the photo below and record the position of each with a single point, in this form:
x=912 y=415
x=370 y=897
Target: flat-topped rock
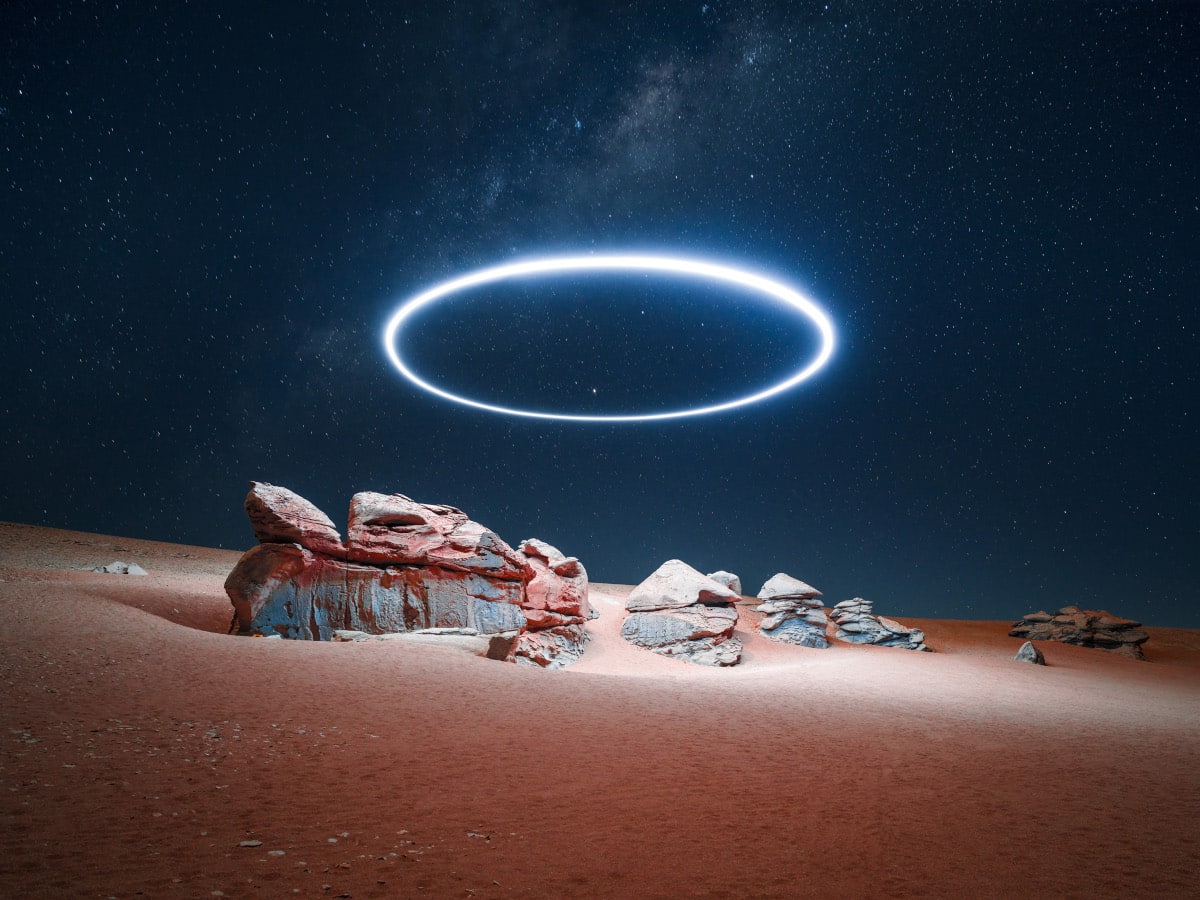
x=1085 y=628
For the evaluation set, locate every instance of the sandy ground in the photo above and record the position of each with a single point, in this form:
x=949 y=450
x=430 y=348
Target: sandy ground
x=141 y=746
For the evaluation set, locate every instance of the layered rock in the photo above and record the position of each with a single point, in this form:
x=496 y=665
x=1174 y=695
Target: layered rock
x=1085 y=628
x=856 y=624
x=280 y=516
x=406 y=567
x=792 y=612
x=394 y=529
x=680 y=612
x=556 y=607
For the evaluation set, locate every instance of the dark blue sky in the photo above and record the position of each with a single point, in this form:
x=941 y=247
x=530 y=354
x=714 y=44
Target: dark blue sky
x=211 y=209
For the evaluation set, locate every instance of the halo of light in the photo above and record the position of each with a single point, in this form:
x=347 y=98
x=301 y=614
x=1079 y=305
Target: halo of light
x=621 y=263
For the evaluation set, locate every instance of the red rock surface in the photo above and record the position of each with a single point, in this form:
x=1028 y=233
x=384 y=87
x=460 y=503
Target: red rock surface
x=281 y=516
x=142 y=746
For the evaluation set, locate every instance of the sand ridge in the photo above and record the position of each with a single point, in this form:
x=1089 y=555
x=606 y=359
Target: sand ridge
x=142 y=745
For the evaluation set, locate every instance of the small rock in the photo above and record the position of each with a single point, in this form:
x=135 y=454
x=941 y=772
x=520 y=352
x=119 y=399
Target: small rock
x=121 y=568
x=250 y=844
x=1030 y=654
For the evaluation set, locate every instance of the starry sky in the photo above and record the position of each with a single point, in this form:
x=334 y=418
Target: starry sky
x=211 y=209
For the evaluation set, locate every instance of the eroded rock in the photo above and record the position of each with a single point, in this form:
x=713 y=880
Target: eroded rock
x=407 y=568
x=856 y=624
x=680 y=612
x=281 y=516
x=792 y=612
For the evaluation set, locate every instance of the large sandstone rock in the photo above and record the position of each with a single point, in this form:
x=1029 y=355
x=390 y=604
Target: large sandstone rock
x=680 y=612
x=288 y=590
x=280 y=516
x=856 y=624
x=1086 y=628
x=392 y=528
x=792 y=612
x=407 y=568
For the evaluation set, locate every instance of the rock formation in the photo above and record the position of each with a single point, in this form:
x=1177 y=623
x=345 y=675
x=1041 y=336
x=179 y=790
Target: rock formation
x=857 y=625
x=792 y=612
x=1028 y=653
x=405 y=567
x=728 y=579
x=556 y=607
x=678 y=611
x=1084 y=627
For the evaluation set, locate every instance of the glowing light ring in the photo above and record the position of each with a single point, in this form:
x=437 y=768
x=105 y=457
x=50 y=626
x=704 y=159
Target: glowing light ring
x=672 y=265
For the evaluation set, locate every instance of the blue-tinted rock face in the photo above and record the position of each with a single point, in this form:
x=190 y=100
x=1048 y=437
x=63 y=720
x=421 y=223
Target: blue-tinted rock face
x=287 y=590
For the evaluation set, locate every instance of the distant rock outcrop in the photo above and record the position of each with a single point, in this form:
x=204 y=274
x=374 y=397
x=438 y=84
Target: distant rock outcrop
x=792 y=612
x=1028 y=653
x=405 y=567
x=681 y=612
x=856 y=624
x=1084 y=627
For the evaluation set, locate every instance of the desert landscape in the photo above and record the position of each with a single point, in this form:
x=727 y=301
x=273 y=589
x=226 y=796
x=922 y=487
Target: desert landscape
x=147 y=752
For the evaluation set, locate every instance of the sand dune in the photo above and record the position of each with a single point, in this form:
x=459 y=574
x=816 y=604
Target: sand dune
x=142 y=746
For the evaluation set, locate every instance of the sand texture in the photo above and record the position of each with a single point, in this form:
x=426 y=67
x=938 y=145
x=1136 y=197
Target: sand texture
x=142 y=746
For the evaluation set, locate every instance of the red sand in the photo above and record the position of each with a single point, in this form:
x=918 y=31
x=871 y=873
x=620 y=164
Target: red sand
x=141 y=745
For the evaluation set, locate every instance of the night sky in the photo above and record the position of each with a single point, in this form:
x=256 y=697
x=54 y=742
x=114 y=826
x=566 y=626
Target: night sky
x=211 y=209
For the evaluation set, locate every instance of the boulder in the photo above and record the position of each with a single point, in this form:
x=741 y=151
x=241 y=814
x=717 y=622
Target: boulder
x=550 y=648
x=394 y=529
x=856 y=624
x=1028 y=653
x=558 y=584
x=674 y=585
x=792 y=612
x=680 y=612
x=280 y=516
x=1085 y=628
x=728 y=579
x=407 y=568
x=700 y=633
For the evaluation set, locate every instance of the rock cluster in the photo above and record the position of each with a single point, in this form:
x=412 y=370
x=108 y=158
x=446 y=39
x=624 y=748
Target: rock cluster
x=404 y=567
x=793 y=612
x=681 y=612
x=856 y=624
x=1085 y=627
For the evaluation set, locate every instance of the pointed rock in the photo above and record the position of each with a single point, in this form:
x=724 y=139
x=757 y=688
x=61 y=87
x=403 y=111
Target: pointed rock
x=675 y=585
x=281 y=516
x=1030 y=654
